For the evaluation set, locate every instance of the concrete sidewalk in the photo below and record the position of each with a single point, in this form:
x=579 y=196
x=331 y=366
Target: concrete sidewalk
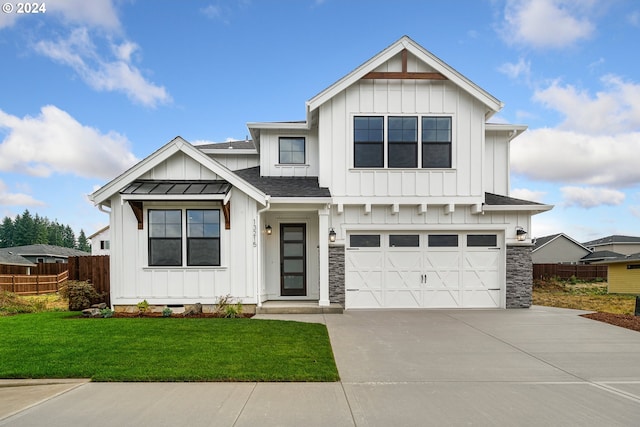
x=438 y=367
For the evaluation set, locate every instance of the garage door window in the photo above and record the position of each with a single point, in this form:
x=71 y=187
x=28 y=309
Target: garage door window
x=482 y=240
x=364 y=240
x=443 y=240
x=404 y=241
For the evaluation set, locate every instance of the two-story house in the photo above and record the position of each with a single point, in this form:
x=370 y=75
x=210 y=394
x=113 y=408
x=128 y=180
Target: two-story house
x=392 y=193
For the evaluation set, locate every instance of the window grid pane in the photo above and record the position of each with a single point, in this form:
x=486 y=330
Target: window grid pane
x=364 y=240
x=403 y=142
x=203 y=237
x=436 y=142
x=368 y=142
x=291 y=150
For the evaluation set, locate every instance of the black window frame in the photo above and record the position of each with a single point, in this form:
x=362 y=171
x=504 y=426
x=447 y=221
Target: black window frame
x=479 y=240
x=404 y=240
x=364 y=138
x=304 y=150
x=161 y=238
x=442 y=138
x=401 y=141
x=193 y=241
x=443 y=240
x=184 y=241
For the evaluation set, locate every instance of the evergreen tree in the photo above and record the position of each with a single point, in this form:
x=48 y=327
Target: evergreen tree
x=41 y=231
x=83 y=243
x=68 y=238
x=56 y=234
x=6 y=233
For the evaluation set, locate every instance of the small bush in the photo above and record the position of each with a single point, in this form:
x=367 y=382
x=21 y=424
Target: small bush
x=166 y=312
x=106 y=313
x=234 y=310
x=80 y=295
x=143 y=306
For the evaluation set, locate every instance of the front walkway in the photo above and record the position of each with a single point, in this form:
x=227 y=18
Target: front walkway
x=540 y=366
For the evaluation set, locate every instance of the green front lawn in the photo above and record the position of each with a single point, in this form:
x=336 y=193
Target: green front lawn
x=62 y=345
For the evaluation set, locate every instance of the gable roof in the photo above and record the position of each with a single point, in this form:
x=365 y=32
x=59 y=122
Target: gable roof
x=540 y=242
x=493 y=104
x=103 y=194
x=105 y=228
x=284 y=186
x=614 y=239
x=41 y=249
x=9 y=257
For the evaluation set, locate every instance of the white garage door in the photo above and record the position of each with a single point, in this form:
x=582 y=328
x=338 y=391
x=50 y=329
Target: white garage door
x=423 y=270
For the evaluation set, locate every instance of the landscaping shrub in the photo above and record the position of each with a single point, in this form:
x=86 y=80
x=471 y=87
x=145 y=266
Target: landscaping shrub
x=80 y=295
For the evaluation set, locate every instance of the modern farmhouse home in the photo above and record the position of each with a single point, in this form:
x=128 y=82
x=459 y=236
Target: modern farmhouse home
x=392 y=193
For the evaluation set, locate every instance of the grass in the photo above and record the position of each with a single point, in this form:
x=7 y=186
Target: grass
x=62 y=345
x=11 y=303
x=581 y=296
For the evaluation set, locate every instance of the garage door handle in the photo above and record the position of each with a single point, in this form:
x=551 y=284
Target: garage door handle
x=423 y=278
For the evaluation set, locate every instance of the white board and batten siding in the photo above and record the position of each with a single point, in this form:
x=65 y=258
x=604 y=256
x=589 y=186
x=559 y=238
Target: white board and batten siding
x=133 y=280
x=270 y=156
x=402 y=97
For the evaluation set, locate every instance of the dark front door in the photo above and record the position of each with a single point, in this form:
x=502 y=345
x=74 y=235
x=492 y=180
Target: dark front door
x=293 y=260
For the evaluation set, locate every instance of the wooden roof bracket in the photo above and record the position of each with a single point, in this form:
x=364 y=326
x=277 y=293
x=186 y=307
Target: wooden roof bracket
x=404 y=74
x=136 y=207
x=226 y=210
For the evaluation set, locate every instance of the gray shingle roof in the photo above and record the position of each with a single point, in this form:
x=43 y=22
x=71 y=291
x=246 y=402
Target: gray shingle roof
x=283 y=186
x=616 y=238
x=46 y=250
x=601 y=255
x=622 y=258
x=233 y=145
x=496 y=199
x=9 y=257
x=541 y=241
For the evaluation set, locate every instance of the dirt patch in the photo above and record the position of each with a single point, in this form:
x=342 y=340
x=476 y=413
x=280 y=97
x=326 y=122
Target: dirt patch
x=627 y=321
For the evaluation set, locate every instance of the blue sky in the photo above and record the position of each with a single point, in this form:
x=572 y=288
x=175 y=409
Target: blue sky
x=89 y=87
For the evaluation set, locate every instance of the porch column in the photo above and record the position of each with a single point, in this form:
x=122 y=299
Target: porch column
x=323 y=248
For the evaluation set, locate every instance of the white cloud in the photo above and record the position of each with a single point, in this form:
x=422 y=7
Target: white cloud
x=522 y=69
x=547 y=23
x=590 y=197
x=118 y=74
x=526 y=194
x=16 y=199
x=94 y=13
x=571 y=157
x=54 y=142
x=613 y=110
x=211 y=11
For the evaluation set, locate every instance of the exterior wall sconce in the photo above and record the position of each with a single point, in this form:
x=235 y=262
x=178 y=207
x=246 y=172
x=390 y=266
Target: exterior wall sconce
x=332 y=235
x=268 y=230
x=521 y=234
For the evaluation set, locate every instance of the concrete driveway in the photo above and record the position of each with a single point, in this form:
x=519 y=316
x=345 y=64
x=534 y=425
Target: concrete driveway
x=540 y=366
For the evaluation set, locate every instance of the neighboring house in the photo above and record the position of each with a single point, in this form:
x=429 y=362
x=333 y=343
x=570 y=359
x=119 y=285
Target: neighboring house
x=558 y=248
x=46 y=253
x=392 y=193
x=594 y=257
x=624 y=274
x=12 y=263
x=626 y=245
x=100 y=243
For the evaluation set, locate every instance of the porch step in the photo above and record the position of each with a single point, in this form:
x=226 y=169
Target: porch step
x=295 y=307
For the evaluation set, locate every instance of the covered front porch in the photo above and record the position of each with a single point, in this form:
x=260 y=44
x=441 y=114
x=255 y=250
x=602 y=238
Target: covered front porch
x=294 y=258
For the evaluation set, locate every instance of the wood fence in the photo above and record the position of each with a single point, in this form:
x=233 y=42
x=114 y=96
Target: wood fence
x=94 y=269
x=567 y=271
x=41 y=268
x=32 y=284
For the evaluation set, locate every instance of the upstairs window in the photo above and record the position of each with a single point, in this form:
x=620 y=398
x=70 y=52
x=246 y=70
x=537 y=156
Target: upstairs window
x=436 y=142
x=291 y=150
x=398 y=147
x=368 y=142
x=403 y=142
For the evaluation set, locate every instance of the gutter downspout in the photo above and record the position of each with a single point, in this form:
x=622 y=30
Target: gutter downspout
x=102 y=209
x=259 y=254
